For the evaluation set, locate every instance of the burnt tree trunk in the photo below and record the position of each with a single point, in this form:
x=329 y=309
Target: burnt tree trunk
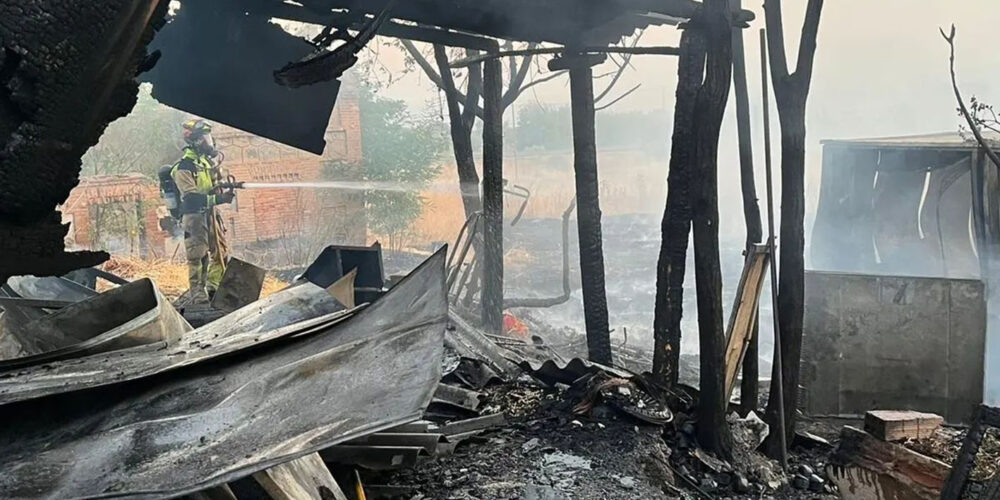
x=492 y=276
x=710 y=107
x=676 y=224
x=751 y=210
x=461 y=122
x=790 y=92
x=595 y=302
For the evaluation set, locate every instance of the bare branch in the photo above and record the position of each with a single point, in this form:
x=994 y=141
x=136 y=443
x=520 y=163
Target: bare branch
x=961 y=102
x=517 y=77
x=612 y=103
x=423 y=63
x=621 y=70
x=807 y=44
x=475 y=89
x=776 y=40
x=435 y=77
x=543 y=79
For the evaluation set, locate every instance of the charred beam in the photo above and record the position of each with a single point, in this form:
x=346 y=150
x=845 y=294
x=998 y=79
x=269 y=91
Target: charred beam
x=391 y=28
x=656 y=51
x=492 y=303
x=675 y=228
x=595 y=302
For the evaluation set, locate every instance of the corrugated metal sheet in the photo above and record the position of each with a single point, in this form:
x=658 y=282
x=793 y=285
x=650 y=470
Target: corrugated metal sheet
x=206 y=424
x=290 y=311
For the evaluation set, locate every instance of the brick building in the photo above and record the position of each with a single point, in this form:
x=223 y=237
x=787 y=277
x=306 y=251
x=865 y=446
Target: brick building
x=262 y=222
x=129 y=203
x=260 y=218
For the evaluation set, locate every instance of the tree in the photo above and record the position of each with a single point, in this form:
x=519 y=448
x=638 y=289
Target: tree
x=143 y=141
x=791 y=91
x=398 y=147
x=704 y=74
x=464 y=105
x=978 y=115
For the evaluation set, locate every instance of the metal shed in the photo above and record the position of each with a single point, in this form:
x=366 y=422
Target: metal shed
x=903 y=261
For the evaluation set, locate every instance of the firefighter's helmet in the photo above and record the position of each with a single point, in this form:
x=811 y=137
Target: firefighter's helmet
x=196 y=130
x=198 y=135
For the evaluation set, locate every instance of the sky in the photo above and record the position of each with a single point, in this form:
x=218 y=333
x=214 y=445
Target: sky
x=881 y=70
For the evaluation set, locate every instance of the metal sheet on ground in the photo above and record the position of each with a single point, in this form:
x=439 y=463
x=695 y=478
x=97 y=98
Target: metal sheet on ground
x=49 y=287
x=131 y=315
x=240 y=286
x=287 y=312
x=194 y=428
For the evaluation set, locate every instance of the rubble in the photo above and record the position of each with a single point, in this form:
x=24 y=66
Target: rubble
x=864 y=464
x=229 y=411
x=494 y=417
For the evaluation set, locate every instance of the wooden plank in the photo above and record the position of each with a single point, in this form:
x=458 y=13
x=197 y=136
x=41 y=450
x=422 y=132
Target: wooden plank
x=892 y=464
x=303 y=478
x=891 y=425
x=744 y=312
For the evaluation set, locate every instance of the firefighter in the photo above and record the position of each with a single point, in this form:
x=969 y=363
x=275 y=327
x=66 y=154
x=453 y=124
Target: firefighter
x=197 y=177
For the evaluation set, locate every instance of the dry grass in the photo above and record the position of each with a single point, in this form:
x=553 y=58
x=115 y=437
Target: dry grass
x=170 y=277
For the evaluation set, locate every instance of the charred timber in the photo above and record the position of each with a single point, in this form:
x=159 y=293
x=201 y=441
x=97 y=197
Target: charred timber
x=54 y=105
x=391 y=28
x=492 y=276
x=710 y=107
x=676 y=225
x=595 y=302
x=661 y=51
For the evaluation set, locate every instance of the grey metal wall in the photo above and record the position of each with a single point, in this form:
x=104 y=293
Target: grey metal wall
x=896 y=211
x=890 y=342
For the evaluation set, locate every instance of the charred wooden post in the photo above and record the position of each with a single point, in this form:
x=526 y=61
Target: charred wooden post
x=751 y=210
x=492 y=278
x=595 y=302
x=676 y=226
x=710 y=108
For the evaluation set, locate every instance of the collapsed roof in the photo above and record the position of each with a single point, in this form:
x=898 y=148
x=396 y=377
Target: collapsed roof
x=206 y=48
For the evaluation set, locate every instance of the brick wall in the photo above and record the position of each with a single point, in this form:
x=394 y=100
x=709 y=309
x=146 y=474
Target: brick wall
x=137 y=194
x=260 y=216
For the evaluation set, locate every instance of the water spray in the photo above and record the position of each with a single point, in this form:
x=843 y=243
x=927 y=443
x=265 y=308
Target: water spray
x=400 y=187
